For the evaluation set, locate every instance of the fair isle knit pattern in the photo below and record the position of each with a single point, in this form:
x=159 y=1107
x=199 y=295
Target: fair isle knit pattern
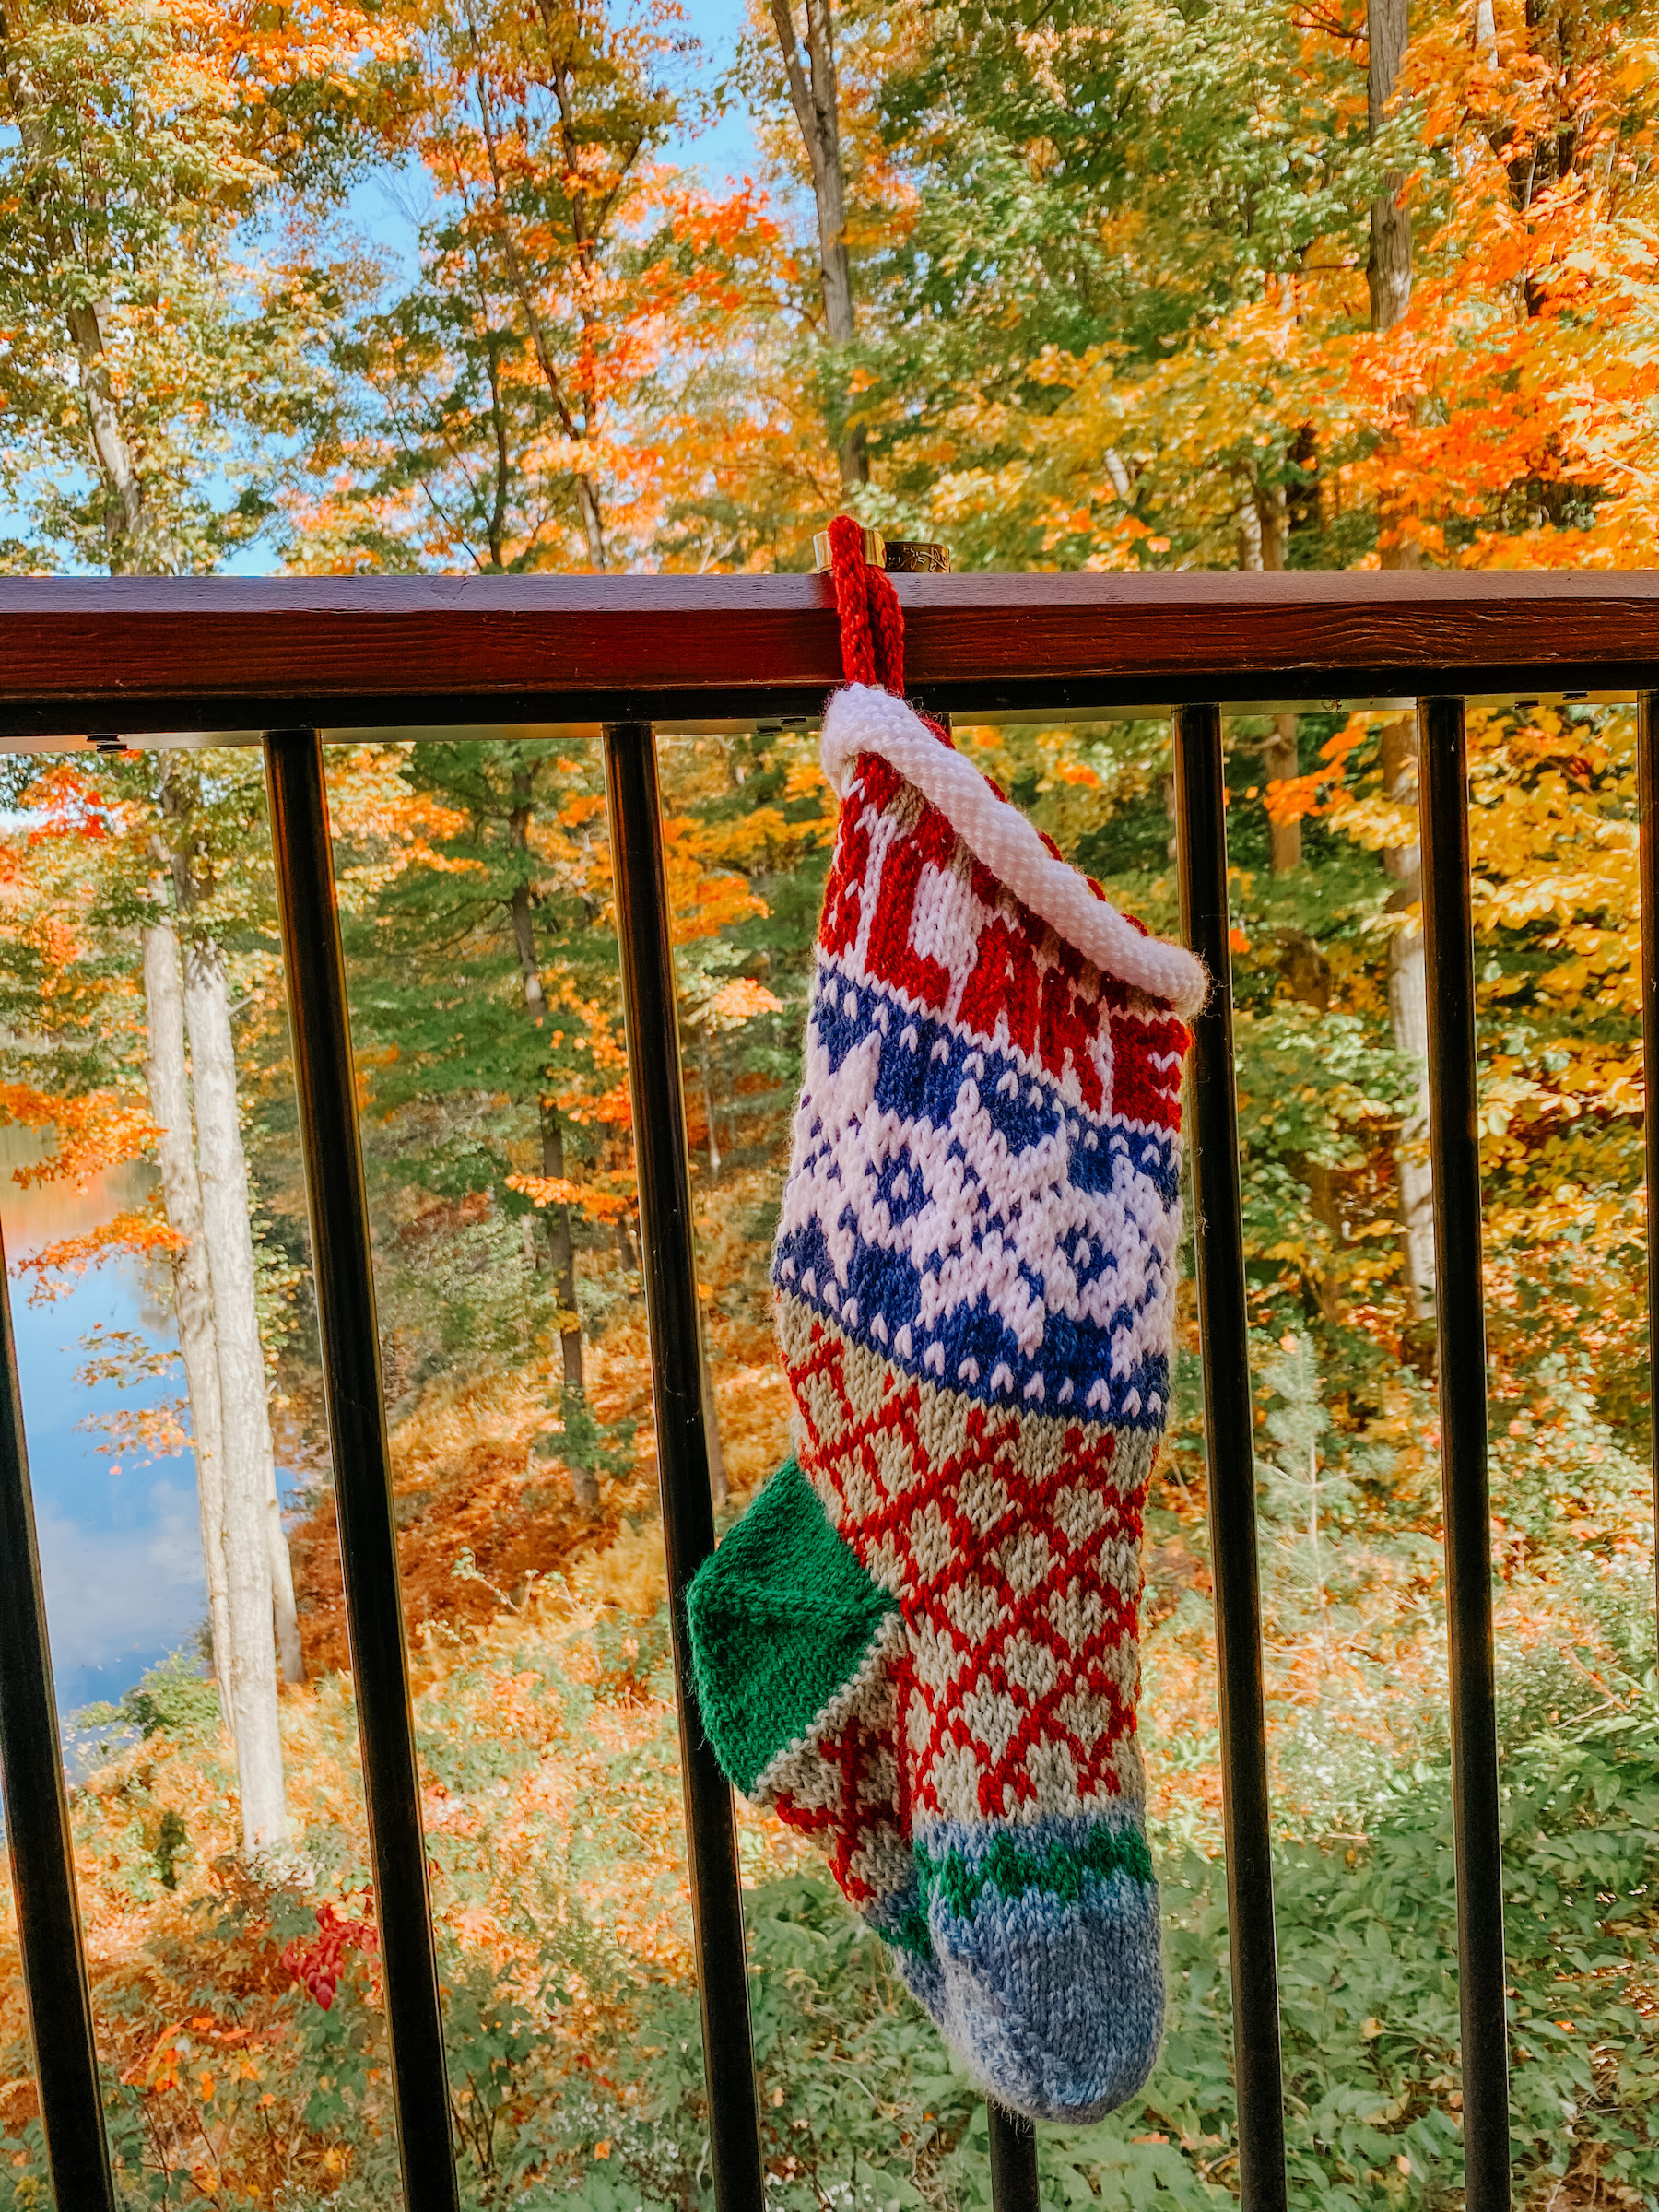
x=798 y=1658
x=925 y=1653
x=1011 y=1544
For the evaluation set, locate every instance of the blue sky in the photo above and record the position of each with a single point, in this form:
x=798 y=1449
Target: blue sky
x=119 y=1533
x=383 y=206
x=729 y=149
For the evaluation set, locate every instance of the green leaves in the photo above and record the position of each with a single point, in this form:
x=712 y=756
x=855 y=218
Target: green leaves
x=176 y=1697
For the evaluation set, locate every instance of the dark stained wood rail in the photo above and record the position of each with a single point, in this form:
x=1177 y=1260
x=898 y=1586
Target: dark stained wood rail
x=191 y=654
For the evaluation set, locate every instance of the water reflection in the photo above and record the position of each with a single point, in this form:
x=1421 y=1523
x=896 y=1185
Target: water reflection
x=121 y=1554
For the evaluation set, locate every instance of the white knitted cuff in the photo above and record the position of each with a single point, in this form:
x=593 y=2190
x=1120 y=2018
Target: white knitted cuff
x=861 y=719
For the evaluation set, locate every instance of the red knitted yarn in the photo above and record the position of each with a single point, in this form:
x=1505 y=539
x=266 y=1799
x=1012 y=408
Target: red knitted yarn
x=872 y=620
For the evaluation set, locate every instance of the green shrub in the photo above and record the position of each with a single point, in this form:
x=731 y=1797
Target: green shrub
x=861 y=2106
x=177 y=1696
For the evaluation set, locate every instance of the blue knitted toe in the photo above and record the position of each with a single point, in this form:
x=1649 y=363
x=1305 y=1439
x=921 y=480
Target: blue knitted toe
x=1046 y=1936
x=900 y=1920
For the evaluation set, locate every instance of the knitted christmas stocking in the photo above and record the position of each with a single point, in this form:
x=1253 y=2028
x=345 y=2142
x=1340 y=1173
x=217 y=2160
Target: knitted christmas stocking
x=936 y=1669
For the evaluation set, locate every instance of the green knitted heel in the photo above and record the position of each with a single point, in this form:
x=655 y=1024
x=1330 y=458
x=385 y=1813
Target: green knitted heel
x=782 y=1621
x=797 y=1658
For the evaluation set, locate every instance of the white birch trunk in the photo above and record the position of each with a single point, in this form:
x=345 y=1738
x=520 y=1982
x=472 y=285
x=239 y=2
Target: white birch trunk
x=192 y=1288
x=224 y=1181
x=1408 y=1017
x=288 y=1646
x=1408 y=1014
x=1388 y=275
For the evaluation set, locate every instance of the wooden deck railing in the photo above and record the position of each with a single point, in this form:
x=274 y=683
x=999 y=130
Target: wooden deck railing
x=280 y=662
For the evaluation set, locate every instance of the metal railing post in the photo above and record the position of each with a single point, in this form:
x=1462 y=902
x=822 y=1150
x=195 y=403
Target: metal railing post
x=1460 y=1317
x=37 y=1832
x=1016 y=2185
x=1015 y=2177
x=325 y=1085
x=670 y=1268
x=1223 y=1330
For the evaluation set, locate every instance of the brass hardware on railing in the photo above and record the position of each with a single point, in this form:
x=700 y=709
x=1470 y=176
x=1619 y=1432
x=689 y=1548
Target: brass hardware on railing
x=915 y=557
x=875 y=549
x=897 y=556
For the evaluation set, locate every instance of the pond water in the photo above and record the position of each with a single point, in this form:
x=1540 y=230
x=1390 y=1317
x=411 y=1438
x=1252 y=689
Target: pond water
x=121 y=1549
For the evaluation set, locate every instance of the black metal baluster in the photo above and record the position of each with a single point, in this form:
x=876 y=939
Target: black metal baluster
x=670 y=1268
x=1015 y=2185
x=1015 y=2181
x=1460 y=1315
x=1201 y=823
x=1647 y=776
x=37 y=1832
x=352 y=1389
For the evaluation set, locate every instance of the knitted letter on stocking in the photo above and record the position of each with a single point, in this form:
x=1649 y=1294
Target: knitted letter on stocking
x=920 y=1644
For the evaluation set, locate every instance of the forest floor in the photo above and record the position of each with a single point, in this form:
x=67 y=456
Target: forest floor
x=481 y=1519
x=238 y=2008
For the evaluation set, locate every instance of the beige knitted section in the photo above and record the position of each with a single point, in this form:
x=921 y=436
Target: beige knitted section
x=1012 y=1543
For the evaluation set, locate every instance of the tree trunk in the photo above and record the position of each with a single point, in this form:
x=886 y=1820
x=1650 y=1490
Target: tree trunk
x=708 y=1087
x=1281 y=762
x=224 y=1183
x=1388 y=275
x=711 y=1415
x=1408 y=1012
x=560 y=1244
x=115 y=458
x=625 y=1246
x=1408 y=1015
x=1264 y=523
x=562 y=1248
x=193 y=1286
x=1263 y=535
x=592 y=521
x=283 y=1605
x=813 y=95
x=1388 y=270
x=1274 y=525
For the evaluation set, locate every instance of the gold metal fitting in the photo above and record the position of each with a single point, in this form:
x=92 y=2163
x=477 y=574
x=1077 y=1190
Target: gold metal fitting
x=875 y=549
x=897 y=556
x=915 y=557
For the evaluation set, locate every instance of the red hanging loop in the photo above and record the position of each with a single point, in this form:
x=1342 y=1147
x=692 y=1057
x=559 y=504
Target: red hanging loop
x=871 y=618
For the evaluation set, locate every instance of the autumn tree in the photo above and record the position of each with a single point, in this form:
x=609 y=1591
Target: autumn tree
x=492 y=415
x=139 y=874
x=806 y=49
x=488 y=994
x=1122 y=308
x=154 y=365
x=1083 y=322
x=149 y=388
